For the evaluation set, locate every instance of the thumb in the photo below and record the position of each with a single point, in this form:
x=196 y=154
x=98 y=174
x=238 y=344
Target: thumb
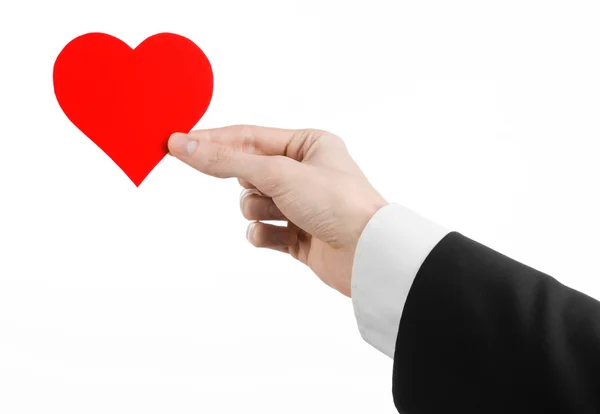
x=223 y=161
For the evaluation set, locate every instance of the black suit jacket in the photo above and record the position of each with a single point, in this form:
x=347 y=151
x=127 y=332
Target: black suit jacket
x=483 y=333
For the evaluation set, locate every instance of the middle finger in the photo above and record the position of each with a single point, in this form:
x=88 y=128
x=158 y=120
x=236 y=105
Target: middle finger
x=258 y=207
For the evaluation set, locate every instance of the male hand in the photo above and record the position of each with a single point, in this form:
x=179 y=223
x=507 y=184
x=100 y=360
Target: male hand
x=305 y=177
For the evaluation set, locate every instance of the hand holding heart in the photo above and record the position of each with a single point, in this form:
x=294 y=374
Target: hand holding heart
x=305 y=177
x=129 y=101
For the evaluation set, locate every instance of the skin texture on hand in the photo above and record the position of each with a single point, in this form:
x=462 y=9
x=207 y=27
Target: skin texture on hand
x=305 y=177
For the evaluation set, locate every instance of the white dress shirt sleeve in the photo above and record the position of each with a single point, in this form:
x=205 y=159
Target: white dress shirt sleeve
x=390 y=251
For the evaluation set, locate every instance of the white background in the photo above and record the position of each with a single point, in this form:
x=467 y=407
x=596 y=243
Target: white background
x=482 y=116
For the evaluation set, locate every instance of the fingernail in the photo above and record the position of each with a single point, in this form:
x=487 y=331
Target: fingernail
x=243 y=195
x=182 y=144
x=250 y=231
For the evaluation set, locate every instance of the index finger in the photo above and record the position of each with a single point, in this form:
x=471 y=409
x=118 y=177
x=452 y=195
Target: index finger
x=250 y=138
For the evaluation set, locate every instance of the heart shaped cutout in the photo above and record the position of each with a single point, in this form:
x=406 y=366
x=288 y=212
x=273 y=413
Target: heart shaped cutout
x=129 y=101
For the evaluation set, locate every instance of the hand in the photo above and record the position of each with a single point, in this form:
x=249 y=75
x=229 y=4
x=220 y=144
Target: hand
x=305 y=177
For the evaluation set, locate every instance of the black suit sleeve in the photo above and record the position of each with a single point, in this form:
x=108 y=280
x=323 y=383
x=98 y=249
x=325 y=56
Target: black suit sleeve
x=483 y=333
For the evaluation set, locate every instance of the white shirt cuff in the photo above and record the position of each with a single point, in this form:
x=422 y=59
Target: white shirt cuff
x=390 y=251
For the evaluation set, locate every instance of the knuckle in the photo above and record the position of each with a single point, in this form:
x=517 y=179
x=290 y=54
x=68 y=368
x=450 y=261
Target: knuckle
x=248 y=141
x=272 y=211
x=307 y=132
x=246 y=136
x=246 y=130
x=336 y=140
x=307 y=139
x=306 y=136
x=220 y=154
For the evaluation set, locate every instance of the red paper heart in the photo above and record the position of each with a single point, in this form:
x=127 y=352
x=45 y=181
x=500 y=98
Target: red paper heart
x=129 y=101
